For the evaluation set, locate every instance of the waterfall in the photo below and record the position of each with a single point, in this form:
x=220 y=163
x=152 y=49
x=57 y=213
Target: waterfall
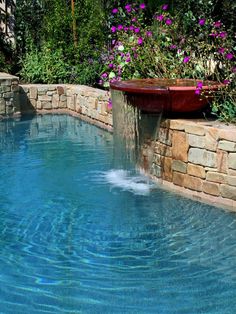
x=135 y=132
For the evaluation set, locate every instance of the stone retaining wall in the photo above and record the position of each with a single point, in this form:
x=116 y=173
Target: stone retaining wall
x=8 y=92
x=83 y=100
x=197 y=158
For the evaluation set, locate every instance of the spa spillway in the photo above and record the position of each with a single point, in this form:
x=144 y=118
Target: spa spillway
x=166 y=95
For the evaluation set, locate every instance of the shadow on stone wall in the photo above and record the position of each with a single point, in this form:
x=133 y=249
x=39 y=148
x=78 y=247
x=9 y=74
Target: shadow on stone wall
x=23 y=103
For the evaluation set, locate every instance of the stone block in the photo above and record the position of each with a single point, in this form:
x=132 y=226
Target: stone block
x=46 y=104
x=231 y=180
x=5 y=89
x=228 y=191
x=71 y=101
x=52 y=88
x=228 y=134
x=165 y=136
x=216 y=177
x=163 y=149
x=45 y=98
x=55 y=101
x=196 y=141
x=8 y=95
x=196 y=171
x=222 y=161
x=42 y=89
x=156 y=171
x=202 y=157
x=167 y=169
x=179 y=166
x=176 y=125
x=211 y=188
x=39 y=104
x=6 y=82
x=195 y=129
x=180 y=146
x=62 y=104
x=193 y=183
x=232 y=161
x=2 y=106
x=33 y=92
x=178 y=178
x=157 y=159
x=231 y=172
x=63 y=97
x=60 y=90
x=227 y=146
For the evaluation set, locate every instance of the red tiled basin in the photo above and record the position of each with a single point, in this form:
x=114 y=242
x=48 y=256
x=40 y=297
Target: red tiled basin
x=167 y=95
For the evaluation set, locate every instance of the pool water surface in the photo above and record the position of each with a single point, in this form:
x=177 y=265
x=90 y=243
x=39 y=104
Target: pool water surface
x=78 y=235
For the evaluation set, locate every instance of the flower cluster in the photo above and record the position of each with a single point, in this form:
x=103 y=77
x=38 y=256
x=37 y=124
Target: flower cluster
x=162 y=48
x=129 y=35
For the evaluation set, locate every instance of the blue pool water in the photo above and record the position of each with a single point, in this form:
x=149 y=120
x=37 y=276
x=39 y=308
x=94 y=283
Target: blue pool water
x=78 y=235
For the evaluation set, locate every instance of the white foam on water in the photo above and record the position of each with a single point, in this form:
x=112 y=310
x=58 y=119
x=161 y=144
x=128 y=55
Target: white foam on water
x=123 y=179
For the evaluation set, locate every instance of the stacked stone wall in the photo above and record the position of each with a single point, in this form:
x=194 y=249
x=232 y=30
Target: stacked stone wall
x=198 y=157
x=88 y=102
x=8 y=92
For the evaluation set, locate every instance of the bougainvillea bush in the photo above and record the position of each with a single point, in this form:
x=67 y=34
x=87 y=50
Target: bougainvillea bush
x=161 y=47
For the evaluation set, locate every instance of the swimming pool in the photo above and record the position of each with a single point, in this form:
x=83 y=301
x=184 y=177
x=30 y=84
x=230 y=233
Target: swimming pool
x=80 y=236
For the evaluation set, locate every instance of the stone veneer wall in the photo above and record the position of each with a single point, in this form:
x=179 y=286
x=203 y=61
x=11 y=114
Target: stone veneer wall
x=196 y=158
x=87 y=102
x=8 y=92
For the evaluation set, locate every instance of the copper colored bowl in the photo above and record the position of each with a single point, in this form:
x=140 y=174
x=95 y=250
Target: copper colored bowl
x=167 y=95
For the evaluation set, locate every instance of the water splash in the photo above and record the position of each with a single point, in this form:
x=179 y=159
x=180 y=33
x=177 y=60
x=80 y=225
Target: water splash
x=125 y=180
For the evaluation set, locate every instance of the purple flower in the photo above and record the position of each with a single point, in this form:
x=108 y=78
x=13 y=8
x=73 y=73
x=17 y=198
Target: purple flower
x=199 y=85
x=198 y=88
x=222 y=34
x=128 y=60
x=113 y=29
x=104 y=75
x=110 y=65
x=134 y=19
x=120 y=27
x=221 y=50
x=226 y=82
x=217 y=24
x=142 y=6
x=202 y=22
x=164 y=7
x=128 y=8
x=131 y=27
x=186 y=59
x=137 y=30
x=126 y=28
x=173 y=47
x=109 y=105
x=234 y=69
x=149 y=34
x=115 y=10
x=168 y=21
x=140 y=41
x=160 y=17
x=229 y=56
x=213 y=34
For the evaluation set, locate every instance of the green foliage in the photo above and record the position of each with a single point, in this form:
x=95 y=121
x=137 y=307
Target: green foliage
x=45 y=66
